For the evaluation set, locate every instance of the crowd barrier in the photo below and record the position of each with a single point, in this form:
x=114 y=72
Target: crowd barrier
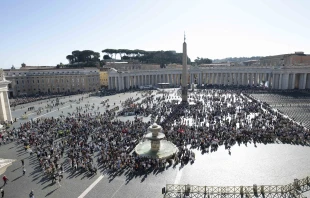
x=294 y=189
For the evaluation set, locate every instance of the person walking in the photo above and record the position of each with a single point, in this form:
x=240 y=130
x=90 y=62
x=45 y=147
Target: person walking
x=31 y=194
x=2 y=192
x=23 y=163
x=5 y=179
x=24 y=171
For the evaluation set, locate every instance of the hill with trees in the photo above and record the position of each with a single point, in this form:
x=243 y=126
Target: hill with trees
x=89 y=58
x=153 y=57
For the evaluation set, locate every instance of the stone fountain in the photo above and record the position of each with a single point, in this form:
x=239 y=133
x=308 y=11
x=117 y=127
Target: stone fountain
x=154 y=146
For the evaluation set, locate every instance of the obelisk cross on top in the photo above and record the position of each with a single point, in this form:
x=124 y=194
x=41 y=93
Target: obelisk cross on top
x=184 y=72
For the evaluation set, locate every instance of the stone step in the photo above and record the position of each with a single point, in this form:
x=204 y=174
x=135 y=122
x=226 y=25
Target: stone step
x=4 y=164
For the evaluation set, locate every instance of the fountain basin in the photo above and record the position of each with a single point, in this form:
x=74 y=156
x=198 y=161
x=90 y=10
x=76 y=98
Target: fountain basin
x=165 y=151
x=159 y=136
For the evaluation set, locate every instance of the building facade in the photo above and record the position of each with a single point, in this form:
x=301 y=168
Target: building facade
x=104 y=78
x=51 y=81
x=277 y=77
x=298 y=58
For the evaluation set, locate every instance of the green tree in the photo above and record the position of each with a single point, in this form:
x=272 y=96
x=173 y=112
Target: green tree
x=106 y=57
x=199 y=61
x=76 y=54
x=110 y=52
x=70 y=58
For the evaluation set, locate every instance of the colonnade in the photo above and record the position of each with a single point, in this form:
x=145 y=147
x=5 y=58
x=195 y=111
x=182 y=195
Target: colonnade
x=127 y=81
x=274 y=78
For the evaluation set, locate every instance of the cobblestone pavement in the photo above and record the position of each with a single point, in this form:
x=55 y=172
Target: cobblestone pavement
x=247 y=165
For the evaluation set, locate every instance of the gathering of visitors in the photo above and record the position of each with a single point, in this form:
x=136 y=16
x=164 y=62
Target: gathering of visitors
x=88 y=140
x=33 y=98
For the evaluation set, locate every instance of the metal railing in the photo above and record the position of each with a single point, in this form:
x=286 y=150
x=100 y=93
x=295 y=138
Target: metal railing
x=294 y=189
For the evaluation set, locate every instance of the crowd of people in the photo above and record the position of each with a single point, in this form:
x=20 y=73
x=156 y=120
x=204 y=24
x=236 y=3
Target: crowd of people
x=24 y=100
x=33 y=98
x=225 y=118
x=88 y=140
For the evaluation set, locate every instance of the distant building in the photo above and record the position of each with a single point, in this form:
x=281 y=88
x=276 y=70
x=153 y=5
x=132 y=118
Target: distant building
x=216 y=65
x=174 y=66
x=298 y=58
x=49 y=80
x=250 y=62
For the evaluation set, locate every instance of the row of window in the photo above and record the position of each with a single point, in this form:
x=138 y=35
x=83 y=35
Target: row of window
x=56 y=80
x=46 y=89
x=68 y=72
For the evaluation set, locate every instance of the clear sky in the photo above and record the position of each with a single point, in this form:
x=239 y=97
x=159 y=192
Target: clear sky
x=43 y=32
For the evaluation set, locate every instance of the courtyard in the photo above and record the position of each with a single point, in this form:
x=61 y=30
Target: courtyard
x=261 y=164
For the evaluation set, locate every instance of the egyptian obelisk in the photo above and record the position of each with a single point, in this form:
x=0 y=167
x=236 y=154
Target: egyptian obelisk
x=184 y=73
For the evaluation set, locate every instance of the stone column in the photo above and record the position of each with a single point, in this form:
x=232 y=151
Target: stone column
x=273 y=81
x=129 y=81
x=174 y=79
x=7 y=106
x=141 y=80
x=120 y=83
x=225 y=78
x=177 y=79
x=245 y=79
x=114 y=82
x=3 y=113
x=255 y=79
x=277 y=78
x=292 y=85
x=280 y=81
x=233 y=78
x=221 y=78
x=304 y=82
x=109 y=84
x=285 y=81
x=215 y=77
x=240 y=78
x=307 y=81
x=251 y=79
x=151 y=79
